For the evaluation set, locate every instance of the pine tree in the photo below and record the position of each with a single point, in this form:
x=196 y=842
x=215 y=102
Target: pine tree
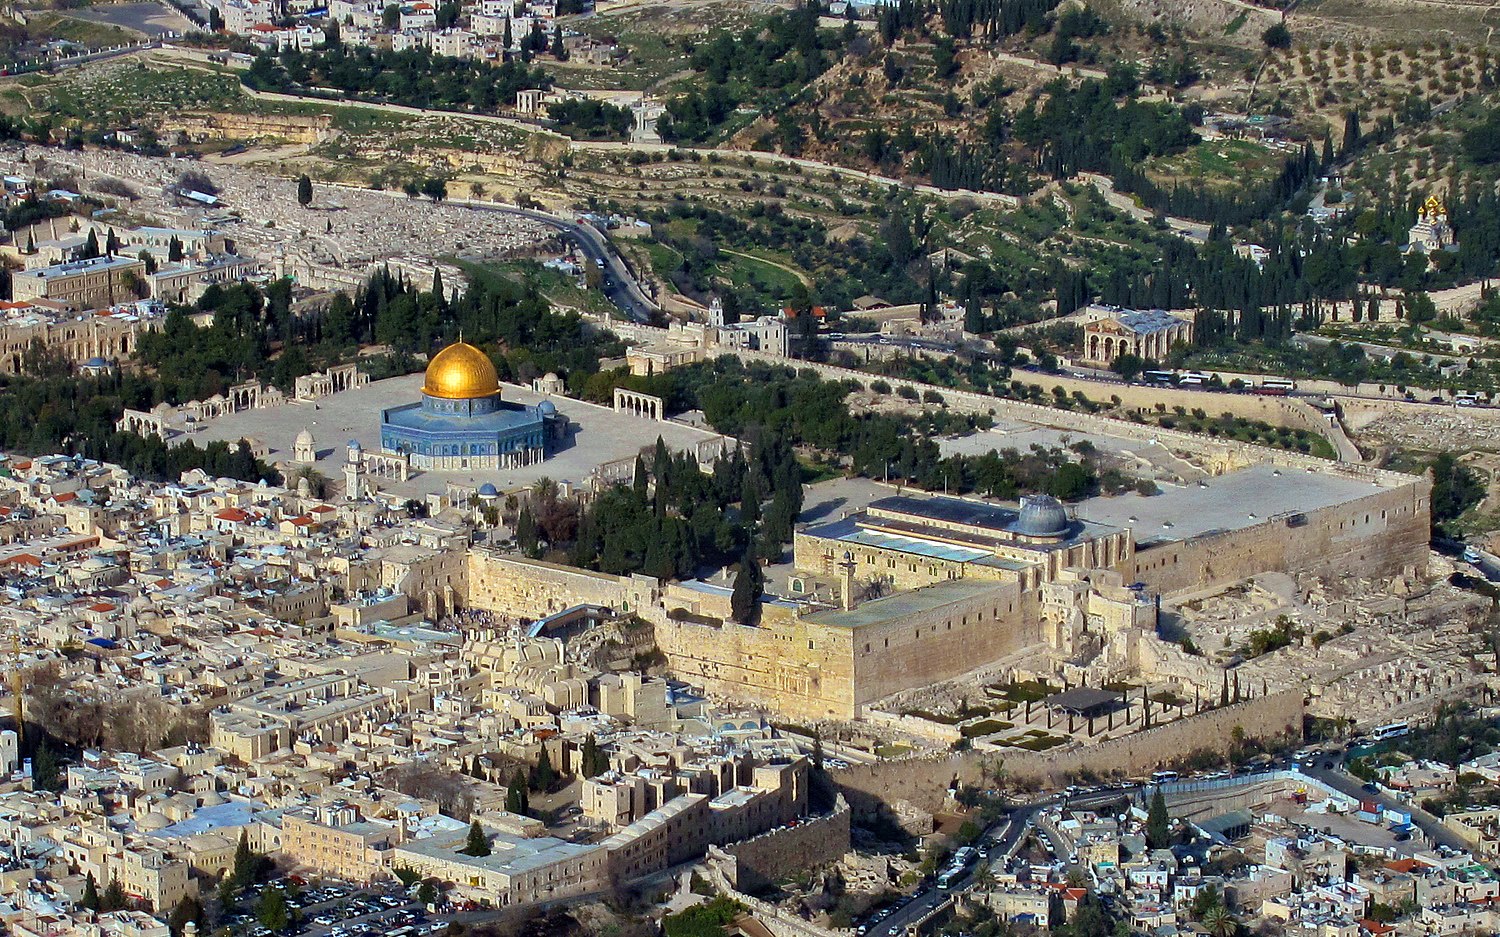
x=243 y=869
x=516 y=798
x=174 y=250
x=559 y=51
x=272 y=910
x=304 y=190
x=594 y=761
x=817 y=752
x=1351 y=132
x=91 y=246
x=111 y=243
x=46 y=774
x=188 y=909
x=478 y=843
x=641 y=481
x=90 y=897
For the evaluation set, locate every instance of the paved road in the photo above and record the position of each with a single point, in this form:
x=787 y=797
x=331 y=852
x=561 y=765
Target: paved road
x=1340 y=780
x=1002 y=840
x=620 y=284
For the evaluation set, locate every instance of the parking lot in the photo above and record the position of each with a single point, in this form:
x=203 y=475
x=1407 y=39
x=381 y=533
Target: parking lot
x=341 y=911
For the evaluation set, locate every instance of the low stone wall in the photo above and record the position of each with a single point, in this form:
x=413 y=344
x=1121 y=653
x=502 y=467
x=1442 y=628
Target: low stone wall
x=924 y=783
x=779 y=923
x=762 y=860
x=915 y=725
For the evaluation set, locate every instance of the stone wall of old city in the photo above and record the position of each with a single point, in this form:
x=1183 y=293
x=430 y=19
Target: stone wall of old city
x=923 y=783
x=762 y=860
x=1382 y=534
x=515 y=587
x=798 y=668
x=939 y=644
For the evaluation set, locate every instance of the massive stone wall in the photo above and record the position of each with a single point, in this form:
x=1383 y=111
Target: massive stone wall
x=516 y=587
x=762 y=860
x=942 y=643
x=1385 y=533
x=924 y=782
x=796 y=667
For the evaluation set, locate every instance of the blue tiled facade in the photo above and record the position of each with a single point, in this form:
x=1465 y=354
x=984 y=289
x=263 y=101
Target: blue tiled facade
x=473 y=433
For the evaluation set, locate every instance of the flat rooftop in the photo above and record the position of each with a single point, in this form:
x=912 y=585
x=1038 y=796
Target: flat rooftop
x=905 y=604
x=848 y=530
x=1224 y=502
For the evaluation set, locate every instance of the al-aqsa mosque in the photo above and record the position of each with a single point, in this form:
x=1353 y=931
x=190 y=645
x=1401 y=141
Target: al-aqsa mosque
x=461 y=422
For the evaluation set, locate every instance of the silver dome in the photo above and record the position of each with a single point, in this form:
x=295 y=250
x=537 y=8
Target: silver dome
x=1041 y=516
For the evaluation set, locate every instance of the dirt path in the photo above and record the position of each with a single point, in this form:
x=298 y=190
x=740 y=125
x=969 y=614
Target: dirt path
x=806 y=280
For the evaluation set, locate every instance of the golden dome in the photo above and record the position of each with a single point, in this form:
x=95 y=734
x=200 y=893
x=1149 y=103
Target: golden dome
x=461 y=372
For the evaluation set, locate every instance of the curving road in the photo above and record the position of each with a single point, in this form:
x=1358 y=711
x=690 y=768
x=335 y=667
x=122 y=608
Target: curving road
x=620 y=285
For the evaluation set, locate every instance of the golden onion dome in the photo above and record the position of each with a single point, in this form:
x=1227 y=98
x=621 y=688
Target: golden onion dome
x=461 y=372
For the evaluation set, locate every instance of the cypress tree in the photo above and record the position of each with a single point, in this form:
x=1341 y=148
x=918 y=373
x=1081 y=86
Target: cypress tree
x=749 y=585
x=1158 y=822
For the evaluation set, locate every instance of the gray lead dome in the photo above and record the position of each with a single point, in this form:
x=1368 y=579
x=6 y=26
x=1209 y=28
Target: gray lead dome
x=1041 y=516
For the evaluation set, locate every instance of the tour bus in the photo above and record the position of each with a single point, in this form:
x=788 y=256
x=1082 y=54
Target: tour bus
x=1192 y=380
x=1163 y=777
x=1392 y=730
x=1466 y=400
x=1275 y=387
x=946 y=877
x=1158 y=377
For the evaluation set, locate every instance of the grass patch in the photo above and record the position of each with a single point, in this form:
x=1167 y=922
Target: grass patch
x=985 y=727
x=893 y=750
x=943 y=719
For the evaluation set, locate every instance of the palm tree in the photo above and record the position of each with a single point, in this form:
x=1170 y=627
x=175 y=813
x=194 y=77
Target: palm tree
x=1218 y=921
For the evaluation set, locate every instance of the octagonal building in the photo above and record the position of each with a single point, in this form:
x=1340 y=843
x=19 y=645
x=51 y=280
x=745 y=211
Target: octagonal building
x=462 y=423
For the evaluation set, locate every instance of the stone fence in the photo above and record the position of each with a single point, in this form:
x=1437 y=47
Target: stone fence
x=775 y=920
x=761 y=860
x=925 y=783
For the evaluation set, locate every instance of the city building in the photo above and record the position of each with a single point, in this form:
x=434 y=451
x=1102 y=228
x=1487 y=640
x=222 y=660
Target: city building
x=1149 y=334
x=1431 y=232
x=94 y=283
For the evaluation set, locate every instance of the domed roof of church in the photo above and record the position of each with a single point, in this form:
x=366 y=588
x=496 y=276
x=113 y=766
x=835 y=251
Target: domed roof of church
x=1041 y=516
x=304 y=438
x=461 y=372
